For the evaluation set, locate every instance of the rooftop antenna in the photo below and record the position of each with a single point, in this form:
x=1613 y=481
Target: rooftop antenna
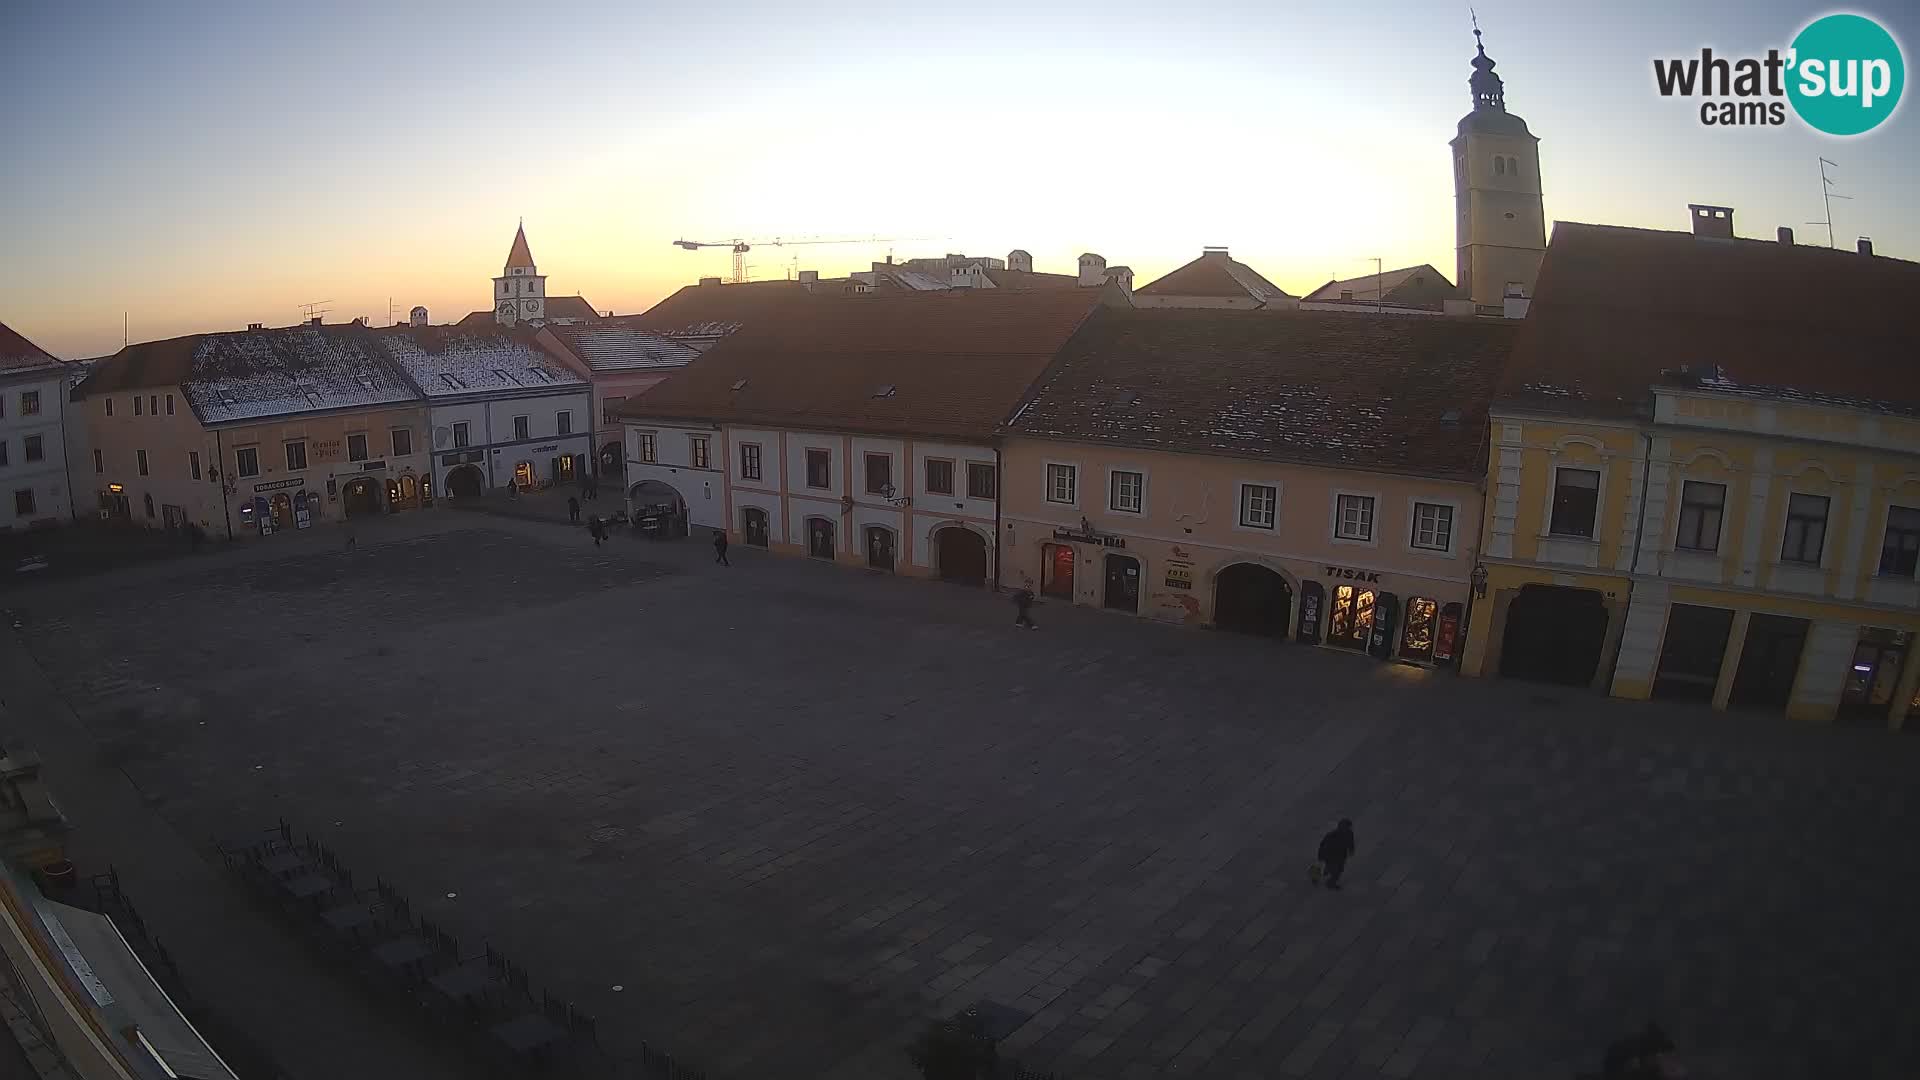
x=314 y=309
x=1827 y=196
x=126 y=328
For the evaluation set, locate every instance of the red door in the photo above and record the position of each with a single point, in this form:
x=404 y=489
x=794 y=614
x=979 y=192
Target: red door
x=1058 y=579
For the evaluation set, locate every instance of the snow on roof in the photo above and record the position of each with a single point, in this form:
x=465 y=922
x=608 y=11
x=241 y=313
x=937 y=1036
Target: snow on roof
x=448 y=362
x=609 y=346
x=259 y=373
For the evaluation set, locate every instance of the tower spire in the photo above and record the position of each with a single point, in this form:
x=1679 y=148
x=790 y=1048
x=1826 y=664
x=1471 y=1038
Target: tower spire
x=1488 y=91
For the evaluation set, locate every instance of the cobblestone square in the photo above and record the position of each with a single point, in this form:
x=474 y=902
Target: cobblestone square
x=793 y=810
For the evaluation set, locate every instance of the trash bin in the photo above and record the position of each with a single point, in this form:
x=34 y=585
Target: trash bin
x=57 y=877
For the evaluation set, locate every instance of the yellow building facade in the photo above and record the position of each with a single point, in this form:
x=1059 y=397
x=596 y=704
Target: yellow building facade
x=1737 y=548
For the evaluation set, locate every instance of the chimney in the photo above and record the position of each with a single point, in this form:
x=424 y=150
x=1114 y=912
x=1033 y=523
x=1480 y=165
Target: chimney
x=1093 y=270
x=1019 y=259
x=705 y=281
x=1712 y=221
x=1214 y=253
x=315 y=321
x=1786 y=236
x=256 y=326
x=1865 y=245
x=809 y=277
x=417 y=317
x=1121 y=276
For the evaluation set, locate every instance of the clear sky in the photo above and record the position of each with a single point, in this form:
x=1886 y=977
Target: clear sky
x=198 y=167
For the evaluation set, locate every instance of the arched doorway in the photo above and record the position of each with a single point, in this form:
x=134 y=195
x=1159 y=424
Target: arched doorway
x=465 y=482
x=1252 y=599
x=282 y=510
x=1350 y=620
x=1056 y=570
x=1554 y=634
x=657 y=509
x=610 y=460
x=961 y=555
x=820 y=538
x=1123 y=583
x=358 y=497
x=879 y=548
x=753 y=526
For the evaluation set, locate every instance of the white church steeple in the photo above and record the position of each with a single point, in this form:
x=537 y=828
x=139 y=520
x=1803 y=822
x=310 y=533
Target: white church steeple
x=520 y=292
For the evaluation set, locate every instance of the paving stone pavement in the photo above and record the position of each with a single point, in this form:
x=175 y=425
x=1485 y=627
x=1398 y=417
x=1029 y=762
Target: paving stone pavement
x=794 y=809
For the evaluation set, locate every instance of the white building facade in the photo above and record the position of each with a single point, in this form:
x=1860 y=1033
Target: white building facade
x=33 y=446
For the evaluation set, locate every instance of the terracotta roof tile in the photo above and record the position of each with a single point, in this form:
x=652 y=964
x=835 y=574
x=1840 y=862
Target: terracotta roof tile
x=716 y=310
x=1618 y=310
x=1214 y=273
x=1338 y=389
x=18 y=352
x=957 y=363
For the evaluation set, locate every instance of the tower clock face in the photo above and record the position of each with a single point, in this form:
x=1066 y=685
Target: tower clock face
x=529 y=305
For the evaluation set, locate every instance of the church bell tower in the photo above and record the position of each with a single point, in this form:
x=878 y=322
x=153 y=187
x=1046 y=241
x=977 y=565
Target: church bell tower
x=1500 y=227
x=520 y=292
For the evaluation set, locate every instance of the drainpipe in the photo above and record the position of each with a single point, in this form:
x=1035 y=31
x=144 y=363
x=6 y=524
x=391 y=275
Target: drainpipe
x=220 y=452
x=999 y=481
x=1633 y=567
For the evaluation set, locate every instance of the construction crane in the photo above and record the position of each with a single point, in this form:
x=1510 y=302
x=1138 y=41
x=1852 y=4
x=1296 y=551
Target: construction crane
x=741 y=247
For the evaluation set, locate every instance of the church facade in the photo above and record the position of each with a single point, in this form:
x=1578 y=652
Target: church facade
x=520 y=295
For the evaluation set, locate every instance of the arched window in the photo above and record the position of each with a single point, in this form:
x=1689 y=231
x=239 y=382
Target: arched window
x=148 y=499
x=1499 y=165
x=1513 y=165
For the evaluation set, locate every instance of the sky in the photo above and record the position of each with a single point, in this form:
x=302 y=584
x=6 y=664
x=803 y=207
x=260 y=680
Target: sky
x=179 y=168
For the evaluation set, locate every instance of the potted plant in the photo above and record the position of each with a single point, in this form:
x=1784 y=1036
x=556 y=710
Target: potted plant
x=955 y=1049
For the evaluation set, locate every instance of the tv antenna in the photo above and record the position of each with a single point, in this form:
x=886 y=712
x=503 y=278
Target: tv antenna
x=313 y=309
x=1827 y=196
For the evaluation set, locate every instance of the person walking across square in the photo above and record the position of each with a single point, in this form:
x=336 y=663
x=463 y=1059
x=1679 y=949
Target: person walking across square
x=1335 y=849
x=720 y=548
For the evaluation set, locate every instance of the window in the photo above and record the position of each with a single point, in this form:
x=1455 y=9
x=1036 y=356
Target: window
x=23 y=502
x=522 y=427
x=30 y=403
x=138 y=405
x=1576 y=497
x=109 y=406
x=1499 y=165
x=169 y=404
x=1353 y=517
x=140 y=459
x=564 y=422
x=1900 y=551
x=296 y=455
x=147 y=501
x=1806 y=529
x=1258 y=503
x=698 y=443
x=749 y=461
x=982 y=482
x=35 y=450
x=879 y=473
x=357 y=446
x=193 y=463
x=99 y=463
x=1124 y=491
x=939 y=476
x=402 y=441
x=1702 y=505
x=153 y=404
x=646 y=446
x=247 y=460
x=819 y=469
x=1432 y=527
x=1062 y=484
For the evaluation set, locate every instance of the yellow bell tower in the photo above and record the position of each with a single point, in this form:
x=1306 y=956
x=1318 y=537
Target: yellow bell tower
x=1500 y=227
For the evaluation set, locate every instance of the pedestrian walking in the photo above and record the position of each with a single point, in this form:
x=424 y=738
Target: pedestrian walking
x=1022 y=605
x=720 y=547
x=594 y=527
x=573 y=510
x=1335 y=849
x=351 y=539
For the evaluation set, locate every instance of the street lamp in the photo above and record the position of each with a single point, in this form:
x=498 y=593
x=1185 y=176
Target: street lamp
x=1479 y=579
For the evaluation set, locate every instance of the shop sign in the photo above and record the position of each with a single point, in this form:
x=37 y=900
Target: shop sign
x=1088 y=536
x=550 y=447
x=326 y=449
x=276 y=485
x=1372 y=577
x=372 y=466
x=1179 y=575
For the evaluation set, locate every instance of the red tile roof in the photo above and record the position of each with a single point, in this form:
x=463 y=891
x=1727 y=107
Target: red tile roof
x=715 y=310
x=1028 y=279
x=1214 y=273
x=1616 y=310
x=168 y=362
x=1410 y=286
x=951 y=364
x=1331 y=388
x=18 y=352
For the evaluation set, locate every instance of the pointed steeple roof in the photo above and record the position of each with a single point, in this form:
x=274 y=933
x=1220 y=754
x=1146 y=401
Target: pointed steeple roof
x=520 y=255
x=1489 y=97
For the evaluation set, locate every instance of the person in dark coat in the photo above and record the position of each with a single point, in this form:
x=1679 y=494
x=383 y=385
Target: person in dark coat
x=573 y=510
x=1335 y=849
x=598 y=530
x=720 y=548
x=1022 y=606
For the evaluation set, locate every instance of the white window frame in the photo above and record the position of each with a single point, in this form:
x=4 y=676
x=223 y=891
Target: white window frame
x=1886 y=522
x=366 y=448
x=516 y=427
x=563 y=422
x=865 y=479
x=1414 y=503
x=991 y=469
x=286 y=448
x=1726 y=507
x=953 y=471
x=1046 y=483
x=1113 y=471
x=240 y=472
x=1598 y=468
x=759 y=462
x=704 y=445
x=1826 y=533
x=647 y=445
x=806 y=474
x=1373 y=521
x=462 y=434
x=1240 y=502
x=393 y=444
